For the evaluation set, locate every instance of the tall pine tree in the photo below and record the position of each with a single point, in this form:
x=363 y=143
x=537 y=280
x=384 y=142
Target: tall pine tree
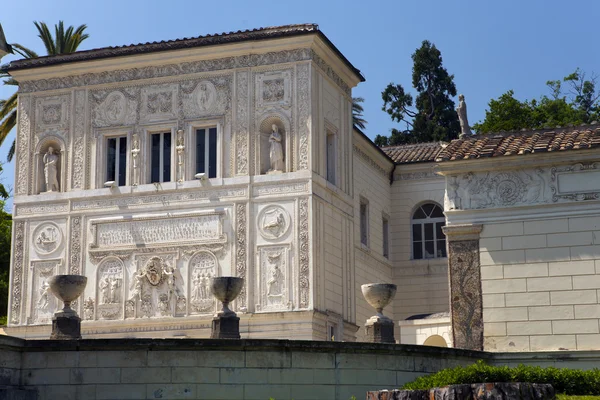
x=433 y=117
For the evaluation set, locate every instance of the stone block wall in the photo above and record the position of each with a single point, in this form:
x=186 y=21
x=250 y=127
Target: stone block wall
x=541 y=284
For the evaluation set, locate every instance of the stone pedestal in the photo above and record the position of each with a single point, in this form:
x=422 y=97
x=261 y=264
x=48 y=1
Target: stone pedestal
x=66 y=327
x=225 y=327
x=380 y=330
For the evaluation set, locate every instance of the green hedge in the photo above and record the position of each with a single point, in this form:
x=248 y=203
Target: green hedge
x=564 y=380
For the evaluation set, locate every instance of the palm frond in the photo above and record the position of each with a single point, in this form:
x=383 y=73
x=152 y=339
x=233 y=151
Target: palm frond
x=46 y=36
x=7 y=125
x=11 y=151
x=24 y=51
x=357 y=112
x=11 y=81
x=8 y=105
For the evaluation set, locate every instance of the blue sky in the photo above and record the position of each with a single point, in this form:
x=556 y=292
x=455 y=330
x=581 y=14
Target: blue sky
x=489 y=46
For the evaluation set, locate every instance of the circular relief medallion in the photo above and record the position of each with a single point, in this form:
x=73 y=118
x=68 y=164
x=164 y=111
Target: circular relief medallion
x=273 y=222
x=114 y=107
x=509 y=189
x=47 y=237
x=154 y=271
x=206 y=96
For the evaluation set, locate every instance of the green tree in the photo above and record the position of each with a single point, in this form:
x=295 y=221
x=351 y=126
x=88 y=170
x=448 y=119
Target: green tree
x=5 y=232
x=579 y=105
x=357 y=113
x=433 y=117
x=64 y=41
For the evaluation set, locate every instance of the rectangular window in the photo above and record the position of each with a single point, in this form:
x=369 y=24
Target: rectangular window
x=364 y=222
x=206 y=151
x=116 y=159
x=331 y=160
x=386 y=237
x=160 y=153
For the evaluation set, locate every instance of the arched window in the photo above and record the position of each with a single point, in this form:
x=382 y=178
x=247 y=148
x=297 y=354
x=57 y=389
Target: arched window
x=427 y=237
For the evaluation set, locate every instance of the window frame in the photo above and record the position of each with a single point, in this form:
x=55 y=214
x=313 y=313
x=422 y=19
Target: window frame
x=191 y=145
x=385 y=235
x=334 y=161
x=101 y=170
x=149 y=133
x=422 y=222
x=364 y=202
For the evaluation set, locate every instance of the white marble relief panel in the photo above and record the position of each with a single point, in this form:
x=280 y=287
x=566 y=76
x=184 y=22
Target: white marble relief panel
x=43 y=303
x=115 y=108
x=273 y=288
x=158 y=103
x=274 y=88
x=202 y=266
x=206 y=97
x=274 y=222
x=52 y=114
x=110 y=286
x=47 y=238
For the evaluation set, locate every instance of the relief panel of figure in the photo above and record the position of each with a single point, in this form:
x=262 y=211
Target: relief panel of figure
x=202 y=267
x=110 y=289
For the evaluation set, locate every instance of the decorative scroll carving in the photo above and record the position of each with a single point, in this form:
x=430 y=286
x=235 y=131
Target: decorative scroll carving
x=465 y=287
x=245 y=61
x=182 y=229
x=43 y=303
x=52 y=114
x=202 y=267
x=17 y=272
x=273 y=281
x=22 y=152
x=240 y=266
x=78 y=141
x=242 y=131
x=75 y=253
x=304 y=120
x=303 y=254
x=575 y=182
x=274 y=88
x=47 y=238
x=281 y=189
x=159 y=102
x=110 y=281
x=415 y=176
x=273 y=222
x=366 y=158
x=46 y=209
x=163 y=200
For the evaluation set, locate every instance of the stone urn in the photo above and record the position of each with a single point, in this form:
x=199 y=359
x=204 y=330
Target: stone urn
x=226 y=289
x=379 y=328
x=67 y=288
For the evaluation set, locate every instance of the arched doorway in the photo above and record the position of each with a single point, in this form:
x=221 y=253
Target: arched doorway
x=435 y=340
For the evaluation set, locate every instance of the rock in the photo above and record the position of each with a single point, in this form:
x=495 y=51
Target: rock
x=476 y=391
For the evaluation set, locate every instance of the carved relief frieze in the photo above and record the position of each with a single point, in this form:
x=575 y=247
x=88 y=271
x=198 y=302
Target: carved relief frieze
x=110 y=285
x=303 y=254
x=416 y=176
x=281 y=189
x=42 y=209
x=52 y=114
x=241 y=126
x=245 y=61
x=158 y=103
x=16 y=286
x=181 y=229
x=22 y=153
x=241 y=253
x=273 y=222
x=47 y=238
x=79 y=130
x=43 y=302
x=75 y=243
x=115 y=108
x=209 y=96
x=304 y=120
x=331 y=73
x=273 y=88
x=273 y=280
x=202 y=266
x=162 y=200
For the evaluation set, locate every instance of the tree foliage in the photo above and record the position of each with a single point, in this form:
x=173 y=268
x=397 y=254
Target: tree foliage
x=357 y=113
x=64 y=41
x=579 y=104
x=5 y=232
x=431 y=117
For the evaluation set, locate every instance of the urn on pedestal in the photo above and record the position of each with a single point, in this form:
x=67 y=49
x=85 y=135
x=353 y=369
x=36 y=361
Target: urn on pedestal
x=66 y=324
x=380 y=329
x=226 y=324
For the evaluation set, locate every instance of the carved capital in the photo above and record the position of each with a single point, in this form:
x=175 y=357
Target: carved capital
x=462 y=232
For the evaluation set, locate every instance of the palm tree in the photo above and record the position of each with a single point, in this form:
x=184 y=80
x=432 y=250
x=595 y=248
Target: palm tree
x=357 y=112
x=64 y=41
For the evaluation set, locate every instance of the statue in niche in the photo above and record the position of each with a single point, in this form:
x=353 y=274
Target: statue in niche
x=465 y=130
x=43 y=301
x=135 y=151
x=276 y=151
x=50 y=170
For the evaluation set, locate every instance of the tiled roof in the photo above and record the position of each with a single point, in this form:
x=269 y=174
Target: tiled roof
x=522 y=143
x=414 y=153
x=273 y=32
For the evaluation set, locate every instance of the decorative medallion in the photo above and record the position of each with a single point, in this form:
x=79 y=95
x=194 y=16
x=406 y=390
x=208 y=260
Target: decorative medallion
x=273 y=222
x=114 y=107
x=206 y=96
x=47 y=237
x=154 y=271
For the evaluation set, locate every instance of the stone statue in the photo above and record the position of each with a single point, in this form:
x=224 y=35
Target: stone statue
x=276 y=151
x=50 y=170
x=465 y=130
x=43 y=300
x=180 y=155
x=135 y=151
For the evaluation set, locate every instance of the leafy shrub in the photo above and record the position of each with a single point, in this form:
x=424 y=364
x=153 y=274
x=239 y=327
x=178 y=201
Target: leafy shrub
x=564 y=380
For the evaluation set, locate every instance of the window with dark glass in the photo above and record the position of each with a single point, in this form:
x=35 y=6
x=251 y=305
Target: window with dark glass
x=364 y=222
x=160 y=157
x=206 y=151
x=386 y=236
x=331 y=159
x=116 y=160
x=427 y=237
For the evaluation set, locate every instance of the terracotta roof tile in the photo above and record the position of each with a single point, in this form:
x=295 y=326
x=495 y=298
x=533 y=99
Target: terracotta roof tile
x=521 y=143
x=413 y=153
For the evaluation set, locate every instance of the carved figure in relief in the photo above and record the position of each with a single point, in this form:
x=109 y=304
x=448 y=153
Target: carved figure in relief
x=43 y=301
x=180 y=155
x=275 y=225
x=50 y=170
x=163 y=305
x=135 y=151
x=275 y=282
x=105 y=288
x=454 y=201
x=276 y=150
x=88 y=308
x=203 y=96
x=113 y=108
x=465 y=130
x=115 y=293
x=47 y=238
x=138 y=280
